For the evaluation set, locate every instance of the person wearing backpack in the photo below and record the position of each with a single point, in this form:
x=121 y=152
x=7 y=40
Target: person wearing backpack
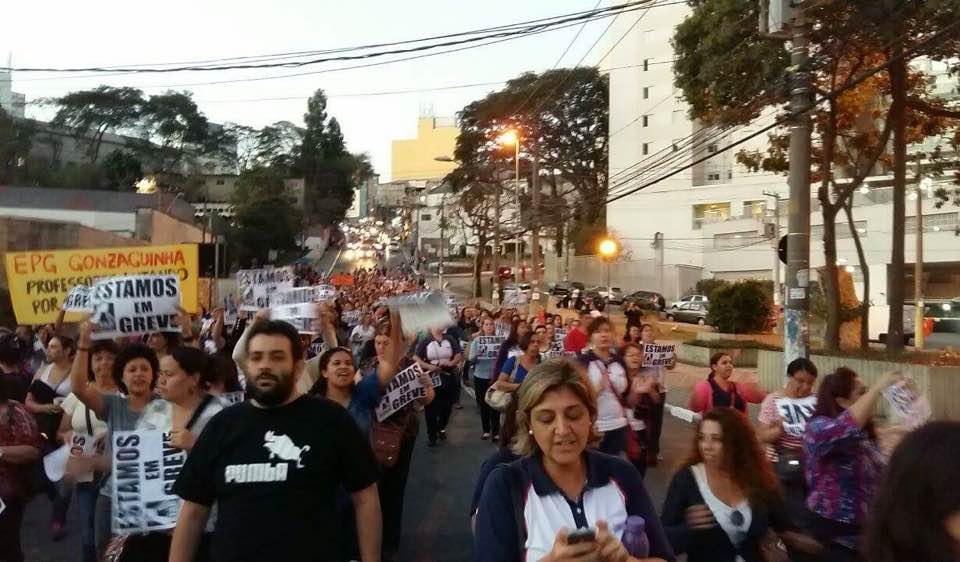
x=718 y=390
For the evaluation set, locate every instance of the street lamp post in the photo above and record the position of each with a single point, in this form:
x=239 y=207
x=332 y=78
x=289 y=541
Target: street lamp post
x=512 y=137
x=609 y=250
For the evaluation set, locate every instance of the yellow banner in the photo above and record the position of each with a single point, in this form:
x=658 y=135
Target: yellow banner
x=40 y=280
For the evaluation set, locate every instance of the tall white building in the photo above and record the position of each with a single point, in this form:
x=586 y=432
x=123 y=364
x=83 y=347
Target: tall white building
x=13 y=103
x=711 y=217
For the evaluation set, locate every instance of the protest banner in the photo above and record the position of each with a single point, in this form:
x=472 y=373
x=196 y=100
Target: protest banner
x=231 y=398
x=40 y=280
x=350 y=317
x=912 y=407
x=256 y=285
x=298 y=302
x=553 y=353
x=134 y=305
x=795 y=413
x=403 y=388
x=342 y=280
x=324 y=293
x=78 y=299
x=419 y=312
x=656 y=355
x=145 y=466
x=489 y=346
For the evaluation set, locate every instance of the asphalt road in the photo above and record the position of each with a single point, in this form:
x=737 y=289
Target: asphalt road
x=436 y=518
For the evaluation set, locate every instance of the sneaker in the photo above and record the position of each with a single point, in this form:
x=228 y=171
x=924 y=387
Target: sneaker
x=485 y=436
x=443 y=434
x=495 y=438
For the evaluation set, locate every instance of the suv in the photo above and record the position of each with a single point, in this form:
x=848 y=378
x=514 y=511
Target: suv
x=702 y=299
x=646 y=299
x=691 y=312
x=564 y=288
x=614 y=296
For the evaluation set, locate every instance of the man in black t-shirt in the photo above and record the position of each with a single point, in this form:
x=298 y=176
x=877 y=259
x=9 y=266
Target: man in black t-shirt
x=274 y=466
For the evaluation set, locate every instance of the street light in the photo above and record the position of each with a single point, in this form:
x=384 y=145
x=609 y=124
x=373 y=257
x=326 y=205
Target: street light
x=511 y=137
x=609 y=249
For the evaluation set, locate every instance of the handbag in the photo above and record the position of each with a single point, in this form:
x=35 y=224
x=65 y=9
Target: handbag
x=789 y=466
x=386 y=438
x=498 y=399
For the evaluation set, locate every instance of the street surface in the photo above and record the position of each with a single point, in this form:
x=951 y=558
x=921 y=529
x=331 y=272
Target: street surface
x=436 y=518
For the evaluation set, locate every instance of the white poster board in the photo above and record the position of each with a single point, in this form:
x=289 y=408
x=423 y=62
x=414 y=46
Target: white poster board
x=134 y=305
x=403 y=388
x=419 y=312
x=489 y=346
x=656 y=355
x=145 y=468
x=912 y=407
x=256 y=285
x=78 y=299
x=796 y=412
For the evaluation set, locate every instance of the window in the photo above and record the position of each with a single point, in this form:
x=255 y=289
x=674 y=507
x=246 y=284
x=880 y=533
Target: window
x=711 y=148
x=425 y=218
x=221 y=181
x=729 y=174
x=646 y=120
x=646 y=92
x=646 y=65
x=677 y=117
x=646 y=148
x=713 y=177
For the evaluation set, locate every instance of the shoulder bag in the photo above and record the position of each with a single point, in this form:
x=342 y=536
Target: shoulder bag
x=498 y=399
x=634 y=448
x=386 y=437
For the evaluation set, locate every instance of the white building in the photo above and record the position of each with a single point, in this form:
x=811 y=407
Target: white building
x=12 y=102
x=711 y=217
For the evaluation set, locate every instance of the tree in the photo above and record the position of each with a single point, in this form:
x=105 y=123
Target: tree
x=265 y=218
x=475 y=208
x=121 y=170
x=560 y=115
x=329 y=171
x=99 y=111
x=172 y=125
x=15 y=142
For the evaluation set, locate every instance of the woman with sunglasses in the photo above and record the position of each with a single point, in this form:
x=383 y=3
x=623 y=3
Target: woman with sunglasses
x=722 y=503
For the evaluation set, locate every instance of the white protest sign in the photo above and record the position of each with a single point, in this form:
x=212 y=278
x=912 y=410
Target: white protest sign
x=656 y=355
x=134 y=305
x=145 y=467
x=489 y=346
x=515 y=298
x=78 y=299
x=795 y=413
x=420 y=312
x=84 y=445
x=913 y=408
x=256 y=285
x=403 y=388
x=350 y=317
x=553 y=353
x=323 y=293
x=287 y=304
x=231 y=398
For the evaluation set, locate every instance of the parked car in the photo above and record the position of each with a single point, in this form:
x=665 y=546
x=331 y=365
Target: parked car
x=505 y=272
x=613 y=296
x=702 y=299
x=564 y=288
x=690 y=312
x=646 y=299
x=517 y=293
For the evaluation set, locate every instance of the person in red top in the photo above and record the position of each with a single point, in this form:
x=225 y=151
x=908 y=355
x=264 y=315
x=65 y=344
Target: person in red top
x=19 y=450
x=576 y=339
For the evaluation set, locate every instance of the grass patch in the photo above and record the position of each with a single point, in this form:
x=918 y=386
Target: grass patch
x=734 y=344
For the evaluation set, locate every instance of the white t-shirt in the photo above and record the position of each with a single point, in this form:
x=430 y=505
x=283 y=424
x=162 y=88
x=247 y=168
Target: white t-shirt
x=361 y=335
x=77 y=412
x=610 y=413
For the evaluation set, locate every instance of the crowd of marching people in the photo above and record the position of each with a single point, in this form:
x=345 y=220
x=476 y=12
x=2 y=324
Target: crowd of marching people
x=292 y=454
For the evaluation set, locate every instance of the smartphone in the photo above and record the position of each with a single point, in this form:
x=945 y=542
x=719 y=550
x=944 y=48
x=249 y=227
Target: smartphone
x=582 y=535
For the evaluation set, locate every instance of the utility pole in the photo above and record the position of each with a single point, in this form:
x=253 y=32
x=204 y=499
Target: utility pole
x=918 y=314
x=658 y=259
x=798 y=225
x=443 y=201
x=535 y=231
x=774 y=241
x=495 y=297
x=518 y=238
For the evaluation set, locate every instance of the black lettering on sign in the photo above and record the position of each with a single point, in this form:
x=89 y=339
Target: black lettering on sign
x=151 y=470
x=143 y=307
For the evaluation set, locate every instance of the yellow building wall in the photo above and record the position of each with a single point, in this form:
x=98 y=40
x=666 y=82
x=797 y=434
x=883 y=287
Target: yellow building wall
x=414 y=159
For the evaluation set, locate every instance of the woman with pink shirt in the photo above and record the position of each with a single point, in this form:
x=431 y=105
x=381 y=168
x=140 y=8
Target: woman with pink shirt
x=719 y=391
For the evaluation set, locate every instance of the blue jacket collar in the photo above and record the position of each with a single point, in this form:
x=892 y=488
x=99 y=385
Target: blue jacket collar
x=598 y=473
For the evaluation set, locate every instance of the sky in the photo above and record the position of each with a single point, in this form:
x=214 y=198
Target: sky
x=113 y=32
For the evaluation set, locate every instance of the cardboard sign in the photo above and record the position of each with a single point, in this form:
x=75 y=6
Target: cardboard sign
x=403 y=388
x=795 y=413
x=656 y=355
x=84 y=445
x=913 y=408
x=489 y=346
x=324 y=293
x=231 y=398
x=145 y=466
x=291 y=304
x=40 y=280
x=134 y=305
x=420 y=312
x=78 y=299
x=256 y=285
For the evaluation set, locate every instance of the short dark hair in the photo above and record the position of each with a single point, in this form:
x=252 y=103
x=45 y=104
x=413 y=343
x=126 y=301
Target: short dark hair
x=524 y=342
x=278 y=328
x=100 y=346
x=127 y=354
x=193 y=362
x=11 y=351
x=801 y=364
x=597 y=323
x=319 y=388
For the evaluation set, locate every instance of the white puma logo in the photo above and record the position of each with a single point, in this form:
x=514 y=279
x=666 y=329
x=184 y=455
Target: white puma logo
x=282 y=447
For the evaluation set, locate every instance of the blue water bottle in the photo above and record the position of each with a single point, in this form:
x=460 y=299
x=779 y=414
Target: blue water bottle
x=635 y=537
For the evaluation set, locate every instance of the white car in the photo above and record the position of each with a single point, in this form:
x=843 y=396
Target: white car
x=701 y=299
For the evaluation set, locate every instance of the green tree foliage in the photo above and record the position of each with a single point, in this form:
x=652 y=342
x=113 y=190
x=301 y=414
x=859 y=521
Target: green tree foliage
x=94 y=113
x=121 y=170
x=708 y=287
x=265 y=218
x=15 y=142
x=740 y=308
x=174 y=126
x=561 y=115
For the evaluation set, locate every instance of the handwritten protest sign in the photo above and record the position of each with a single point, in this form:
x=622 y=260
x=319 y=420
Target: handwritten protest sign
x=78 y=299
x=420 y=312
x=912 y=407
x=489 y=346
x=795 y=413
x=231 y=398
x=40 y=280
x=656 y=355
x=403 y=388
x=350 y=317
x=324 y=293
x=256 y=285
x=133 y=305
x=290 y=304
x=145 y=466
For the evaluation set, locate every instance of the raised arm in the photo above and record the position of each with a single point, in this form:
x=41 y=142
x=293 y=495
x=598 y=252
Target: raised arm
x=79 y=374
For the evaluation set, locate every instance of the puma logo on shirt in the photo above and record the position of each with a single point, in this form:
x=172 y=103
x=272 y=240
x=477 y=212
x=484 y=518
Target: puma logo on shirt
x=279 y=446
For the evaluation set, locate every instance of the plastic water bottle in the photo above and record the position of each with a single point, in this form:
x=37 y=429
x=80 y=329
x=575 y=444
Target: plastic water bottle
x=635 y=537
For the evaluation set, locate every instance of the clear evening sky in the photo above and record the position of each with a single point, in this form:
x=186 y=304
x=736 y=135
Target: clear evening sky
x=114 y=32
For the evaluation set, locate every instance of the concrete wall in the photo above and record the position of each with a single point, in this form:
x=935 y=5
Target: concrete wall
x=634 y=275
x=120 y=223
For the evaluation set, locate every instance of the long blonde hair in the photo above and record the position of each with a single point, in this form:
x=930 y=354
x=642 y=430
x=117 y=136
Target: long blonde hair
x=548 y=376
